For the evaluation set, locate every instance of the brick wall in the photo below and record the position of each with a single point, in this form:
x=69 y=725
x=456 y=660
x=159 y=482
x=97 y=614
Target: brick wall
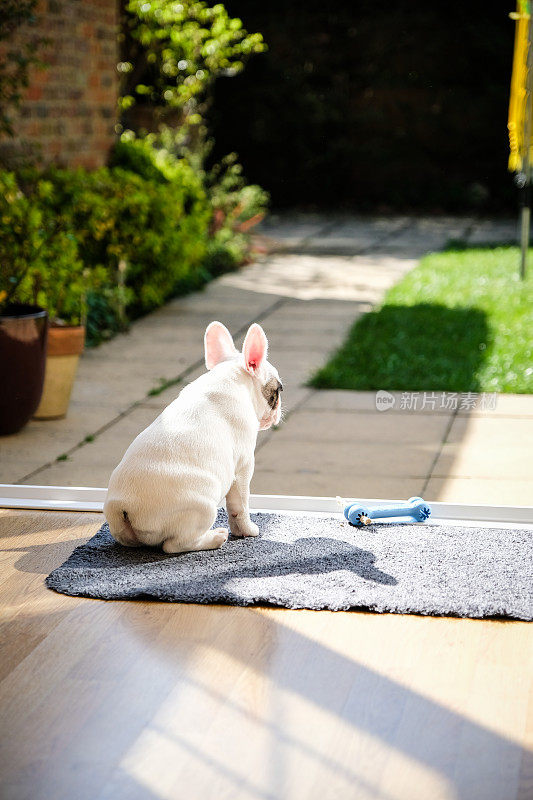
x=69 y=112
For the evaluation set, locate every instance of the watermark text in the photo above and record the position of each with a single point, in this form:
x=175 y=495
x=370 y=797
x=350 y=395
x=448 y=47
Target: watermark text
x=436 y=401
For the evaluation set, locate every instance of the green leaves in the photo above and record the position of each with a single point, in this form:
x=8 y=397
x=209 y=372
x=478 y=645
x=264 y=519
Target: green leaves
x=130 y=240
x=178 y=49
x=39 y=260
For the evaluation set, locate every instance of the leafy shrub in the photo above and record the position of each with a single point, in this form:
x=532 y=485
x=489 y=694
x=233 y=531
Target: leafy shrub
x=106 y=314
x=60 y=283
x=172 y=55
x=234 y=205
x=228 y=192
x=20 y=239
x=39 y=260
x=153 y=158
x=226 y=250
x=158 y=230
x=139 y=156
x=120 y=241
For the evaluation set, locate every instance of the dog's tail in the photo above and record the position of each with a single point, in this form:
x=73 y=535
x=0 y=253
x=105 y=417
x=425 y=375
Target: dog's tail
x=120 y=525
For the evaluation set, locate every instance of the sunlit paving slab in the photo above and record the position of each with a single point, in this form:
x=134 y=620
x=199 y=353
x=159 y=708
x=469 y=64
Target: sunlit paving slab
x=503 y=405
x=353 y=237
x=71 y=473
x=296 y=368
x=92 y=462
x=483 y=460
x=12 y=473
x=481 y=447
x=309 y=277
x=487 y=491
x=133 y=375
x=333 y=482
x=379 y=459
x=363 y=429
x=393 y=404
x=298 y=226
x=495 y=430
x=51 y=436
x=351 y=234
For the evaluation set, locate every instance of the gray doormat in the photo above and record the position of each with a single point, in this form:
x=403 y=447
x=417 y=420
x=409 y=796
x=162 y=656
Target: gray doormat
x=315 y=562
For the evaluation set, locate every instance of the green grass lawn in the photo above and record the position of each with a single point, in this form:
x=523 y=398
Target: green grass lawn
x=461 y=321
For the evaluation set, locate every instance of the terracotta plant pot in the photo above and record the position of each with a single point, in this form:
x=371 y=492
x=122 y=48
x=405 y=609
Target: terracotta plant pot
x=23 y=331
x=65 y=345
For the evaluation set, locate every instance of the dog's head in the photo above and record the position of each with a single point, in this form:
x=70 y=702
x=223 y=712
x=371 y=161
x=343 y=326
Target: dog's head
x=266 y=384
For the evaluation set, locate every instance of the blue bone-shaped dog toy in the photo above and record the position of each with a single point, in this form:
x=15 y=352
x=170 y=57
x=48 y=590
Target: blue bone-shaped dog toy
x=415 y=507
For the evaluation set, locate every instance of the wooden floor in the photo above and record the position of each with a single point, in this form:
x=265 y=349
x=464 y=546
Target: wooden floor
x=115 y=700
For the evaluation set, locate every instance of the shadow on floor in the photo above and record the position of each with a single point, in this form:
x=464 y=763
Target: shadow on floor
x=466 y=754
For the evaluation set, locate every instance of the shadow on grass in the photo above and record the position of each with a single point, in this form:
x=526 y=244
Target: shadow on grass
x=462 y=244
x=423 y=347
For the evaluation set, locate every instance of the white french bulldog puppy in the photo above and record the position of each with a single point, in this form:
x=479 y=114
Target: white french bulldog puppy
x=200 y=450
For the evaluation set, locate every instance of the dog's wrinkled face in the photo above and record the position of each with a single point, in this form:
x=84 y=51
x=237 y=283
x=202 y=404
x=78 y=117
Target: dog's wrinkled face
x=267 y=386
x=271 y=391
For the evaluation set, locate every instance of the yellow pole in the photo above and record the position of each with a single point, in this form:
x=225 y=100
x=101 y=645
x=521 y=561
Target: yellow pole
x=526 y=166
x=520 y=120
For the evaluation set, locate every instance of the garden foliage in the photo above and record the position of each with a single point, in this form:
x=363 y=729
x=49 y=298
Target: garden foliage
x=174 y=51
x=105 y=246
x=39 y=259
x=120 y=240
x=159 y=231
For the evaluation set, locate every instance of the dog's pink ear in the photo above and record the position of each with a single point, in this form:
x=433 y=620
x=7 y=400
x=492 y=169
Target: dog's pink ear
x=218 y=344
x=255 y=348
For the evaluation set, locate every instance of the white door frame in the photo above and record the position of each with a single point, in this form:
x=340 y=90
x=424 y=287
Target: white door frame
x=84 y=498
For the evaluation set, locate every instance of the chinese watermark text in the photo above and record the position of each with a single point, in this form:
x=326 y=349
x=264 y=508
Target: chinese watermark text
x=436 y=401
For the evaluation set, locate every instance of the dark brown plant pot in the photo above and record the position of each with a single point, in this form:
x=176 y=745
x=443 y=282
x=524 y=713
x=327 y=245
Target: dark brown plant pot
x=23 y=336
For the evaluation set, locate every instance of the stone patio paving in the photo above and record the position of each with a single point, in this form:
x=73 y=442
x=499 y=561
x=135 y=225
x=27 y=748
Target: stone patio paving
x=320 y=275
